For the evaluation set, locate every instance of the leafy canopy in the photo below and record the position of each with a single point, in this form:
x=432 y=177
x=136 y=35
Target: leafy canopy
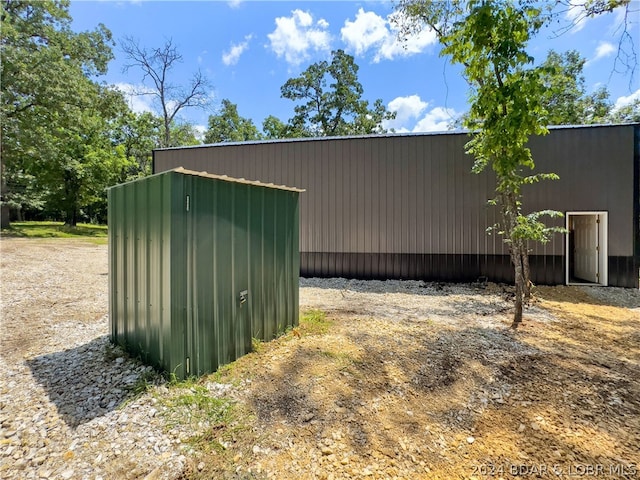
x=54 y=118
x=489 y=39
x=229 y=126
x=332 y=103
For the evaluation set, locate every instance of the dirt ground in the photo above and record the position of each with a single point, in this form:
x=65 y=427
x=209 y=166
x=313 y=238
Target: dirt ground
x=404 y=379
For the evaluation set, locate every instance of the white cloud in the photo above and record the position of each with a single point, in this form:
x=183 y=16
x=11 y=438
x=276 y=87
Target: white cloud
x=437 y=119
x=407 y=110
x=139 y=97
x=234 y=3
x=367 y=30
x=412 y=116
x=371 y=31
x=628 y=100
x=233 y=55
x=604 y=49
x=199 y=132
x=297 y=35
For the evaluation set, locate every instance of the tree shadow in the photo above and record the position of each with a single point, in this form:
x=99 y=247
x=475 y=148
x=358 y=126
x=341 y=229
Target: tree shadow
x=463 y=382
x=88 y=381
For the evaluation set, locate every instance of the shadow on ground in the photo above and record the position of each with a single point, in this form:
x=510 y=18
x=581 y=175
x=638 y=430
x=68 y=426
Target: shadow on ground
x=88 y=381
x=436 y=389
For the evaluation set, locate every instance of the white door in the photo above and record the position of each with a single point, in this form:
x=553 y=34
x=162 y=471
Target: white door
x=585 y=228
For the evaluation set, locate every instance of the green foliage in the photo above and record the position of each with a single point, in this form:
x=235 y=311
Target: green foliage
x=183 y=134
x=489 y=39
x=529 y=227
x=274 y=128
x=332 y=102
x=627 y=114
x=229 y=126
x=564 y=96
x=57 y=154
x=137 y=134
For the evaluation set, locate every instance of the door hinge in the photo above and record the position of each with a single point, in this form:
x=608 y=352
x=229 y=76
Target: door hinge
x=597 y=248
x=188 y=202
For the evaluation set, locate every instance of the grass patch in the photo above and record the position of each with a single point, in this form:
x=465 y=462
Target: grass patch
x=213 y=420
x=94 y=233
x=314 y=322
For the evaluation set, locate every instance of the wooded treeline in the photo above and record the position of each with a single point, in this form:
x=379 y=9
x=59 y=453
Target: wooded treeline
x=66 y=135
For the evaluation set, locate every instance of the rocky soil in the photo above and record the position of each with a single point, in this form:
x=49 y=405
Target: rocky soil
x=65 y=397
x=403 y=380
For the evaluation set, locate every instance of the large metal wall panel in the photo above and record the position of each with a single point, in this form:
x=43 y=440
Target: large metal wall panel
x=182 y=249
x=596 y=169
x=408 y=206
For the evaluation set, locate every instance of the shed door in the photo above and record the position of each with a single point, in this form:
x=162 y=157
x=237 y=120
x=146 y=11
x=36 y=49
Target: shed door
x=587 y=248
x=585 y=252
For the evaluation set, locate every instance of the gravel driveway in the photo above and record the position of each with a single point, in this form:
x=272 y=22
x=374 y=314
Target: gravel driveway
x=64 y=391
x=428 y=376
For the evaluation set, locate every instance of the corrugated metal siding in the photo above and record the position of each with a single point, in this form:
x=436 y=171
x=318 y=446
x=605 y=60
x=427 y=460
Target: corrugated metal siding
x=176 y=275
x=365 y=195
x=409 y=206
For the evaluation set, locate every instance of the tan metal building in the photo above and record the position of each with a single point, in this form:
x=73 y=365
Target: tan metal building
x=407 y=205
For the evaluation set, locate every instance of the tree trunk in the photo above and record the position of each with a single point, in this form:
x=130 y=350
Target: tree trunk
x=526 y=272
x=71 y=217
x=517 y=251
x=5 y=221
x=71 y=198
x=519 y=274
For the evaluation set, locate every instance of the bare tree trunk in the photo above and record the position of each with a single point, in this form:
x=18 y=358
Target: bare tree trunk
x=518 y=270
x=517 y=250
x=526 y=271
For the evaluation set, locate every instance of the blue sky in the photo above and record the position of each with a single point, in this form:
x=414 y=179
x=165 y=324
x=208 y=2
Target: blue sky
x=249 y=49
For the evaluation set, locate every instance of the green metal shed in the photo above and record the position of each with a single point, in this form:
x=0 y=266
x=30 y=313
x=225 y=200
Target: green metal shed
x=198 y=265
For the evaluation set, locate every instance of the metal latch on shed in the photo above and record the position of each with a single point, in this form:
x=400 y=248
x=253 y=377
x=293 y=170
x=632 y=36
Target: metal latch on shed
x=243 y=296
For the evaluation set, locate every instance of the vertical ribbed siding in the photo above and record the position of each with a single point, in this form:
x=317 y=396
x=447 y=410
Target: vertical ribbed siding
x=409 y=206
x=176 y=275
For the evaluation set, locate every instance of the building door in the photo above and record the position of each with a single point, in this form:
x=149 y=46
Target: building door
x=587 y=248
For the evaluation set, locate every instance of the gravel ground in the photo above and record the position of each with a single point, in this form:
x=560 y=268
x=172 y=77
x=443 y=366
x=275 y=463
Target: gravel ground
x=68 y=409
x=65 y=396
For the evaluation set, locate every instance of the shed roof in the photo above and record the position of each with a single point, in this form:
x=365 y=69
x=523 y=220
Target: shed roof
x=224 y=178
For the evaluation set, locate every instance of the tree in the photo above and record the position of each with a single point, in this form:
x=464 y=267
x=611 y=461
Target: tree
x=47 y=102
x=156 y=65
x=489 y=38
x=229 y=126
x=184 y=134
x=137 y=134
x=627 y=114
x=336 y=109
x=85 y=160
x=564 y=96
x=273 y=127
